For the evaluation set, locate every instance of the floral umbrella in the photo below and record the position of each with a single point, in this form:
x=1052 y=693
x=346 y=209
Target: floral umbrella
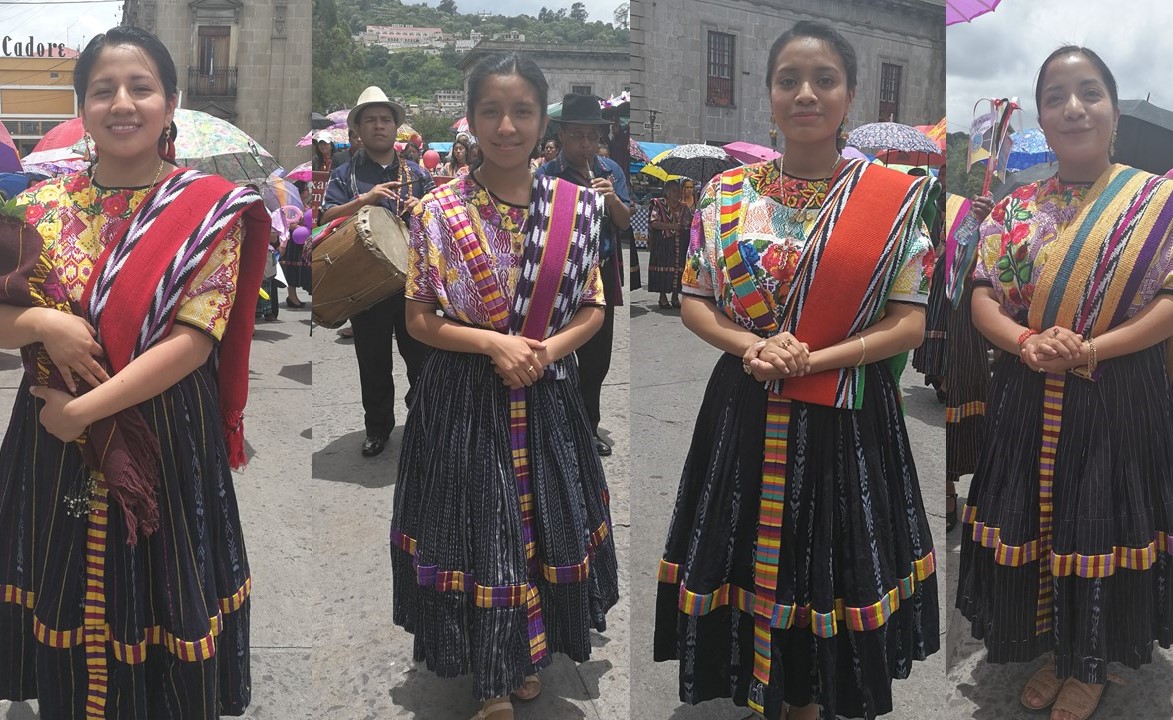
x=338 y=117
x=699 y=162
x=305 y=172
x=959 y=11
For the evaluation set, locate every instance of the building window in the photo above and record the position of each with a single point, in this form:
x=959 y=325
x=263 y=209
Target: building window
x=582 y=90
x=890 y=92
x=720 y=89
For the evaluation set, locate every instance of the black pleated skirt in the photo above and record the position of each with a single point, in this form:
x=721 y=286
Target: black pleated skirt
x=666 y=260
x=1112 y=594
x=967 y=383
x=854 y=532
x=458 y=553
x=931 y=358
x=167 y=634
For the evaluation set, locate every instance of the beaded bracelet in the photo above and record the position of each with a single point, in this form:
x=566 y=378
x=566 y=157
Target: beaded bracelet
x=1025 y=336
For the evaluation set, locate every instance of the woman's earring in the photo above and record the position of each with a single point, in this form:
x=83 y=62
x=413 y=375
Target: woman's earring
x=1112 y=145
x=773 y=132
x=91 y=156
x=841 y=139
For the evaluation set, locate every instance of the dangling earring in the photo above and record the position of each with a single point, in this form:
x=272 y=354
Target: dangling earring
x=841 y=140
x=773 y=132
x=1112 y=145
x=168 y=145
x=90 y=156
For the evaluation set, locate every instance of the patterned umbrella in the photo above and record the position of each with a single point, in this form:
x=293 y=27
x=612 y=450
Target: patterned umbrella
x=637 y=153
x=337 y=135
x=338 y=117
x=614 y=102
x=750 y=153
x=891 y=136
x=1029 y=148
x=60 y=145
x=699 y=162
x=959 y=11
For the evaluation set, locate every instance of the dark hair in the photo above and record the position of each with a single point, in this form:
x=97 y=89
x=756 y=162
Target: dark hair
x=510 y=64
x=452 y=150
x=552 y=139
x=818 y=31
x=127 y=35
x=1093 y=58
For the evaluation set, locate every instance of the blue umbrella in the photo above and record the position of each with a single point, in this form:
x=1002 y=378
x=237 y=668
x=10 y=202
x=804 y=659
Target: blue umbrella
x=1029 y=148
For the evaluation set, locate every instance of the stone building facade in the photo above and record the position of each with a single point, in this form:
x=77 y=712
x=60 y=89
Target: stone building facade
x=603 y=70
x=246 y=62
x=700 y=65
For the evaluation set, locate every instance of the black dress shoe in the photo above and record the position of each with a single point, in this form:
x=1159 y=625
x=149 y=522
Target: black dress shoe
x=602 y=447
x=373 y=445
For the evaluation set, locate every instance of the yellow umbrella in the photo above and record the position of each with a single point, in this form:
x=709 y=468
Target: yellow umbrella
x=658 y=173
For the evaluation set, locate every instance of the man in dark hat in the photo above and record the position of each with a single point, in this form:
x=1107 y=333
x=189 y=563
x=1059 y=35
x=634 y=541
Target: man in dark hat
x=581 y=127
x=376 y=175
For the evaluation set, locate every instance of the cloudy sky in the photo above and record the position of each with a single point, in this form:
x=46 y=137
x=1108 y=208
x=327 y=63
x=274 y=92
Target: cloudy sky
x=72 y=24
x=998 y=54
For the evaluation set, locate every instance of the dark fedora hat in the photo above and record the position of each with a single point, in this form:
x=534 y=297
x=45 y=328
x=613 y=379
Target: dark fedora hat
x=582 y=109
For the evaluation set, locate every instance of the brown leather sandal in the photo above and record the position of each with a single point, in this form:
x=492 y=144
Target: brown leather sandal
x=1044 y=684
x=490 y=709
x=1077 y=700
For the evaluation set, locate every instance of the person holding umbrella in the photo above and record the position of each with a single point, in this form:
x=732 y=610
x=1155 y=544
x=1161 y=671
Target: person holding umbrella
x=131 y=293
x=581 y=126
x=1065 y=531
x=798 y=572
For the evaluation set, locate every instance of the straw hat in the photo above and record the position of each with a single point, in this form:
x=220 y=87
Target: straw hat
x=374 y=96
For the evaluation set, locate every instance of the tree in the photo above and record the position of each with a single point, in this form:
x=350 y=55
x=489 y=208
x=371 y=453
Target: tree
x=622 y=13
x=447 y=6
x=578 y=12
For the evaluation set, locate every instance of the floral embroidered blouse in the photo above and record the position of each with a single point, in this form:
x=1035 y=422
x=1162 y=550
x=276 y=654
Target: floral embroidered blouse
x=78 y=219
x=437 y=272
x=773 y=236
x=1018 y=237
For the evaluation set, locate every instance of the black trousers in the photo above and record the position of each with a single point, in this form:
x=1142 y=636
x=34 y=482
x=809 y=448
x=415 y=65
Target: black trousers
x=374 y=330
x=594 y=355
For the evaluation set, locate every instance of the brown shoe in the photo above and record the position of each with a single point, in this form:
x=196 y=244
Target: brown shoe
x=1077 y=701
x=1043 y=687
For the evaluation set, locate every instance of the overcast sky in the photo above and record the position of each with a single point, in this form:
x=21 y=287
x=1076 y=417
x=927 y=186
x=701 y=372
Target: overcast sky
x=54 y=22
x=998 y=54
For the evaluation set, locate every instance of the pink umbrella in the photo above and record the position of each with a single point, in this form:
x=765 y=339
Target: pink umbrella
x=959 y=11
x=305 y=172
x=337 y=135
x=338 y=117
x=460 y=126
x=750 y=153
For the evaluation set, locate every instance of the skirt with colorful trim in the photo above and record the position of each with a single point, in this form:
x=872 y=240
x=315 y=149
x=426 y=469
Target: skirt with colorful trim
x=931 y=359
x=477 y=599
x=95 y=629
x=857 y=590
x=1106 y=592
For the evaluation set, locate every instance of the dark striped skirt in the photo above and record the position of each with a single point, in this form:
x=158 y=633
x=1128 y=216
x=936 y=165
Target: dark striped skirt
x=1087 y=574
x=666 y=260
x=856 y=601
x=931 y=359
x=462 y=581
x=296 y=268
x=92 y=628
x=968 y=380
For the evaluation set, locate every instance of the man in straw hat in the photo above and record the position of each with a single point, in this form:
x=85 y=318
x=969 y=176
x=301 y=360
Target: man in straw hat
x=376 y=175
x=581 y=127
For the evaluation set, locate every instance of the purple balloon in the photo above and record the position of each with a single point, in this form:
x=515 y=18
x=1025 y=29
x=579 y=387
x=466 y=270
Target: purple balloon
x=300 y=234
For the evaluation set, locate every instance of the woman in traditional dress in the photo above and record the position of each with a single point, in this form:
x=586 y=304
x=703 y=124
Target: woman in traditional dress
x=131 y=293
x=799 y=570
x=668 y=222
x=457 y=162
x=1065 y=544
x=501 y=540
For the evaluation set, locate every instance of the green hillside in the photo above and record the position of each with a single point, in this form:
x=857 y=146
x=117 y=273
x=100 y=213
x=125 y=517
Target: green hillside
x=342 y=67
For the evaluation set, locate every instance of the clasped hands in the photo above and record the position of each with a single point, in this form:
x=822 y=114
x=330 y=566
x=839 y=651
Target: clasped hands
x=777 y=358
x=519 y=361
x=70 y=342
x=1057 y=349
